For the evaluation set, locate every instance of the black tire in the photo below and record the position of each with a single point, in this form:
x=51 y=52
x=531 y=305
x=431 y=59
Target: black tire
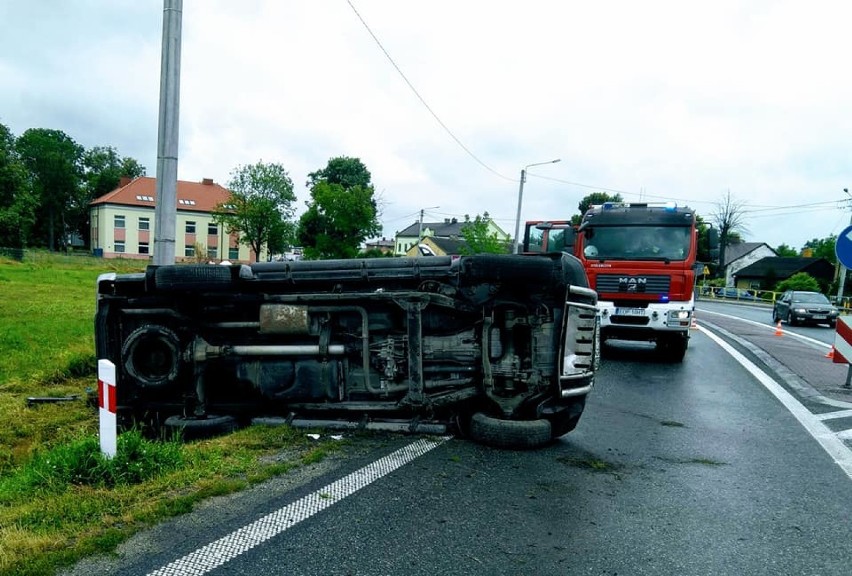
x=491 y=267
x=775 y=317
x=510 y=434
x=198 y=428
x=790 y=320
x=832 y=325
x=191 y=277
x=672 y=347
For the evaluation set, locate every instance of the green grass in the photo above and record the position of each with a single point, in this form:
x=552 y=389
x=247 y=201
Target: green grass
x=60 y=500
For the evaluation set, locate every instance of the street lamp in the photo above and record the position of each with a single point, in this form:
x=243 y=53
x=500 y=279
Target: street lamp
x=521 y=198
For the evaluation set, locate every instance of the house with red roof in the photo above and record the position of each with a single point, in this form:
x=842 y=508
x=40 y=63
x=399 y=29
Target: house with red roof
x=122 y=222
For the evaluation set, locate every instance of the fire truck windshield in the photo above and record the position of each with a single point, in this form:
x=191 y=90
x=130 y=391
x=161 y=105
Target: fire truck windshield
x=637 y=242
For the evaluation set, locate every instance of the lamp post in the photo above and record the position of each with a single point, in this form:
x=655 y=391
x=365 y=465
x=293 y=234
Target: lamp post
x=521 y=198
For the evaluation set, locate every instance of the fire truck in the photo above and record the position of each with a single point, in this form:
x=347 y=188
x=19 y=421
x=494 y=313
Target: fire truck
x=640 y=258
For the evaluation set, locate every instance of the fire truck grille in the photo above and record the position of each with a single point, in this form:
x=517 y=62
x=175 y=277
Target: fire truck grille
x=632 y=284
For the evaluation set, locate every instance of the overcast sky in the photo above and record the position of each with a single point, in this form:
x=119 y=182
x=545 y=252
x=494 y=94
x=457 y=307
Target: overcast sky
x=445 y=101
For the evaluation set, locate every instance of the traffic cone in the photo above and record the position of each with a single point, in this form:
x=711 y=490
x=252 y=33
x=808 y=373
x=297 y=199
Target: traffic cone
x=778 y=331
x=830 y=354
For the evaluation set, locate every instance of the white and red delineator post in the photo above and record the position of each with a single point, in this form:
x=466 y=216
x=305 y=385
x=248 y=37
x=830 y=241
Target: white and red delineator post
x=843 y=345
x=107 y=407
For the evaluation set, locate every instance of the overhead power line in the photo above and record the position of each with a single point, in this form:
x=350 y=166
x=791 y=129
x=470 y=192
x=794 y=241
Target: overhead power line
x=423 y=101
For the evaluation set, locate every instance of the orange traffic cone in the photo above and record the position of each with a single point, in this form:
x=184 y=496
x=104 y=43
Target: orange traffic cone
x=778 y=331
x=830 y=354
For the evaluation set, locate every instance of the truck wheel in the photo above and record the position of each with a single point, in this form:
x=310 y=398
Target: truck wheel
x=199 y=428
x=672 y=348
x=191 y=276
x=497 y=267
x=511 y=434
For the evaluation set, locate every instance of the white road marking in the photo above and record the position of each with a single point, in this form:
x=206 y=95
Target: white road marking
x=837 y=414
x=227 y=548
x=830 y=441
x=762 y=325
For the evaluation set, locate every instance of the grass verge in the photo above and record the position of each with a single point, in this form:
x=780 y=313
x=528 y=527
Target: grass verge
x=59 y=499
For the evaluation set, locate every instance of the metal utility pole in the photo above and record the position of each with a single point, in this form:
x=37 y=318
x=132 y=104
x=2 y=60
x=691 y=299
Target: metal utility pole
x=521 y=198
x=420 y=226
x=165 y=213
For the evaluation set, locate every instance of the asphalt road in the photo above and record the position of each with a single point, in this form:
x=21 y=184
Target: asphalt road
x=674 y=469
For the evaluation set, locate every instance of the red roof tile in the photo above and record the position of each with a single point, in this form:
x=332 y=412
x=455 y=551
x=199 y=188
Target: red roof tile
x=197 y=196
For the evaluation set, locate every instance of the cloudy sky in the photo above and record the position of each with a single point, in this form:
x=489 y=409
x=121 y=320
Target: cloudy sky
x=446 y=101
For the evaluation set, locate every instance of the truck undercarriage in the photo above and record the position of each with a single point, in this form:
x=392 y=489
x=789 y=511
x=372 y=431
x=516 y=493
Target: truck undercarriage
x=503 y=347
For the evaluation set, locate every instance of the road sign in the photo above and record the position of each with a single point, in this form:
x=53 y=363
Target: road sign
x=843 y=247
x=706 y=271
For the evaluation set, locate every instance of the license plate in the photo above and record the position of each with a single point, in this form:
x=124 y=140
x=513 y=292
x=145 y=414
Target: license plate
x=820 y=316
x=629 y=311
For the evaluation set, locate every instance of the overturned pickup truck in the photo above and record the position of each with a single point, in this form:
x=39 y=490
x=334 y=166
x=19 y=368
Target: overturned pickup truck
x=502 y=348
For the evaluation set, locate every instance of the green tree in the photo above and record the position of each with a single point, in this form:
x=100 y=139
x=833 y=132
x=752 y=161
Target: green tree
x=785 y=251
x=342 y=212
x=799 y=281
x=823 y=248
x=478 y=238
x=591 y=200
x=17 y=203
x=343 y=170
x=260 y=207
x=52 y=159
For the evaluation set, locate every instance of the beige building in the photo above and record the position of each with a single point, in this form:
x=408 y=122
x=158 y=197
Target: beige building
x=122 y=222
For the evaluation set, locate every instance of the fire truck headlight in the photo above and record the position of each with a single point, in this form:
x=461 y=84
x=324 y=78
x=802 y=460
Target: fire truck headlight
x=678 y=315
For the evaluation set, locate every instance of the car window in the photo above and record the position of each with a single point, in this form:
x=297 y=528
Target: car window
x=811 y=297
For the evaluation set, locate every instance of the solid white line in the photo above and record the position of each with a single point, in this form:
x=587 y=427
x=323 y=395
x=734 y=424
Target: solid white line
x=837 y=414
x=762 y=325
x=830 y=441
x=845 y=434
x=243 y=539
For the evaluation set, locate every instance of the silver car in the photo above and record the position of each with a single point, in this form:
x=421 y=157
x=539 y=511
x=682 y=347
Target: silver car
x=795 y=307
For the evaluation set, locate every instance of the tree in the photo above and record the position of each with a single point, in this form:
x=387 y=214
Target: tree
x=822 y=248
x=348 y=172
x=729 y=218
x=52 y=159
x=592 y=199
x=259 y=208
x=799 y=281
x=342 y=212
x=785 y=251
x=479 y=240
x=17 y=203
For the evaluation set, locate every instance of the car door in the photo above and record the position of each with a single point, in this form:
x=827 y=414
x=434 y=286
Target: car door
x=782 y=306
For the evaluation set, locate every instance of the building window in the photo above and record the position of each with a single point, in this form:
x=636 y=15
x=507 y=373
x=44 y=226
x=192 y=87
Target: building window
x=190 y=227
x=189 y=250
x=212 y=252
x=119 y=221
x=143 y=248
x=119 y=247
x=144 y=223
x=212 y=229
x=233 y=253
